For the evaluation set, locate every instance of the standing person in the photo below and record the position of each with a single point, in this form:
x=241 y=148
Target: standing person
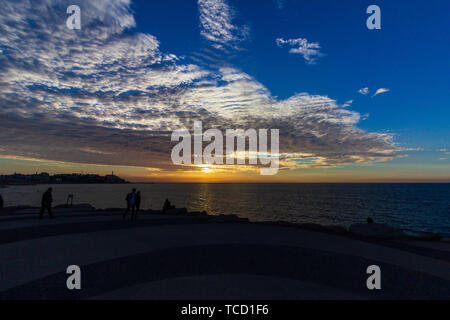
x=46 y=203
x=137 y=204
x=131 y=203
x=1 y=202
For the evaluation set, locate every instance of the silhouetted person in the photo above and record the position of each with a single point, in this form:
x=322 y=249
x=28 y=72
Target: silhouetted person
x=70 y=199
x=167 y=206
x=131 y=203
x=137 y=205
x=46 y=203
x=1 y=202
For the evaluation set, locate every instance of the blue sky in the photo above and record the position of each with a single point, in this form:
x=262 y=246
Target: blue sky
x=409 y=55
x=233 y=59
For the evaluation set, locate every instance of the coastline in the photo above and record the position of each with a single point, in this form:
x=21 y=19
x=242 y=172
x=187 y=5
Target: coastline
x=373 y=231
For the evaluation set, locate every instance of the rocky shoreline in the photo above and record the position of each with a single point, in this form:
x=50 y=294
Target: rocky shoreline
x=357 y=230
x=181 y=254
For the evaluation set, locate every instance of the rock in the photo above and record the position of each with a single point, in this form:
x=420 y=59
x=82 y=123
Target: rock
x=279 y=223
x=151 y=211
x=224 y=218
x=177 y=211
x=112 y=210
x=429 y=236
x=15 y=209
x=338 y=229
x=198 y=214
x=312 y=226
x=81 y=206
x=376 y=230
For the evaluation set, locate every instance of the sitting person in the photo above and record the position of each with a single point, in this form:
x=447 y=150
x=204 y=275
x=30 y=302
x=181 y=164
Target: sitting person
x=167 y=206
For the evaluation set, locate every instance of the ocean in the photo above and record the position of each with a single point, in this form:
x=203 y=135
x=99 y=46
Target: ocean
x=416 y=208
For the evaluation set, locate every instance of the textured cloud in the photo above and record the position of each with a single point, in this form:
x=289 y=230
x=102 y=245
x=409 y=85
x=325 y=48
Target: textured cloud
x=106 y=94
x=280 y=4
x=364 y=91
x=309 y=50
x=381 y=90
x=217 y=26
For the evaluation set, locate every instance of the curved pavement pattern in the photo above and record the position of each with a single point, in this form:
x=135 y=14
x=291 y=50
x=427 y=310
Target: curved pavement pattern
x=181 y=257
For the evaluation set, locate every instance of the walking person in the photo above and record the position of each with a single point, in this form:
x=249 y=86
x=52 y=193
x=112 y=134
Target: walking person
x=46 y=203
x=137 y=205
x=131 y=203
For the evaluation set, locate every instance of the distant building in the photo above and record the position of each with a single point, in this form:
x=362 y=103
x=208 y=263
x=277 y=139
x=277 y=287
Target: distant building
x=111 y=178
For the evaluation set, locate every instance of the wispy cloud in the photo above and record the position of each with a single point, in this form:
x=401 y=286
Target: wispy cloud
x=364 y=91
x=309 y=50
x=381 y=90
x=414 y=149
x=216 y=20
x=280 y=4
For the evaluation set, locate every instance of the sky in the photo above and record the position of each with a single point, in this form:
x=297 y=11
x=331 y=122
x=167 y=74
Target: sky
x=352 y=104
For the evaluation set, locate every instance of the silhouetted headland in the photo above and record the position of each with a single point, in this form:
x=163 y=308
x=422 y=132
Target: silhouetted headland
x=65 y=178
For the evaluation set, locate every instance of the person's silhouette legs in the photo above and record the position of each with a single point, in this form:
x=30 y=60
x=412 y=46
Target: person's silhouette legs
x=133 y=211
x=126 y=211
x=49 y=209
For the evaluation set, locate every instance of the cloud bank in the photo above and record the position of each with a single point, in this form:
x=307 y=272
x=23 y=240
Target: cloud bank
x=107 y=94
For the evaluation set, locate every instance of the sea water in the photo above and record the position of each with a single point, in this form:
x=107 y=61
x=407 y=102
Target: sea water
x=415 y=207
